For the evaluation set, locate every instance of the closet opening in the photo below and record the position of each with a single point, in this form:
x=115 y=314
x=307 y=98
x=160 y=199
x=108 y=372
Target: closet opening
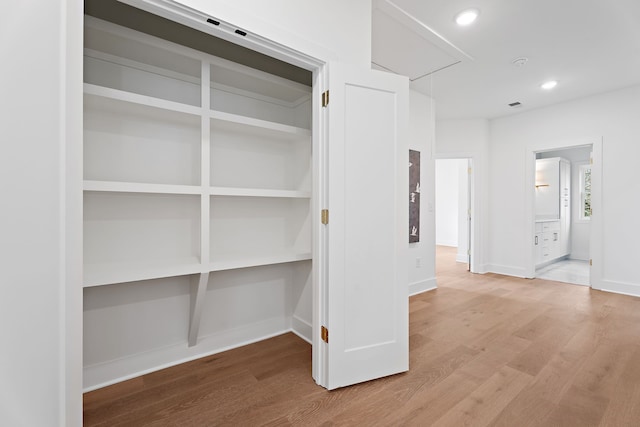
x=198 y=194
x=562 y=214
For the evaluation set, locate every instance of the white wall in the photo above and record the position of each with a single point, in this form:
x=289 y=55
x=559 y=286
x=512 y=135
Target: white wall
x=446 y=202
x=40 y=302
x=470 y=139
x=421 y=260
x=338 y=30
x=613 y=117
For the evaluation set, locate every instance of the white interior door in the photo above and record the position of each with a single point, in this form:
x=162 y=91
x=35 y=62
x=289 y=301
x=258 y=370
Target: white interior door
x=365 y=298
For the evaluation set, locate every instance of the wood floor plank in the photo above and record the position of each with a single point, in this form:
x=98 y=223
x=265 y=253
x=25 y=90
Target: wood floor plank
x=432 y=372
x=484 y=350
x=624 y=404
x=429 y=404
x=535 y=328
x=483 y=404
x=258 y=407
x=95 y=400
x=525 y=410
x=541 y=350
x=494 y=355
x=603 y=368
x=578 y=408
x=542 y=395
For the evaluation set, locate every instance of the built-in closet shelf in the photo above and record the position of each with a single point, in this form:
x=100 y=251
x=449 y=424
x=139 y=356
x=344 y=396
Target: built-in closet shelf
x=112 y=273
x=92 y=54
x=134 y=98
x=232 y=120
x=256 y=192
x=132 y=187
x=262 y=125
x=229 y=263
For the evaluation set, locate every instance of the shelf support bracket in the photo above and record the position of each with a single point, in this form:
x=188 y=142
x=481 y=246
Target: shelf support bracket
x=198 y=291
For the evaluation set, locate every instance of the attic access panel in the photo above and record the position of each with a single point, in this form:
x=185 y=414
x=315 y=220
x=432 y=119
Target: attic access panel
x=402 y=44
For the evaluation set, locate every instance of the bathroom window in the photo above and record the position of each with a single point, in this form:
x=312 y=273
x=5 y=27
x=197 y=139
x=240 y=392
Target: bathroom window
x=585 y=191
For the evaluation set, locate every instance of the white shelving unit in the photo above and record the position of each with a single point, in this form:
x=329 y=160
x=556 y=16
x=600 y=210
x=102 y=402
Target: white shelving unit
x=194 y=166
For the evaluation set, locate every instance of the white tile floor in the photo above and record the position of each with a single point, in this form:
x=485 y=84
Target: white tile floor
x=567 y=271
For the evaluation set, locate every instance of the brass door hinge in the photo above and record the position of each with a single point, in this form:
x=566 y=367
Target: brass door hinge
x=590 y=262
x=324 y=334
x=325 y=98
x=324 y=217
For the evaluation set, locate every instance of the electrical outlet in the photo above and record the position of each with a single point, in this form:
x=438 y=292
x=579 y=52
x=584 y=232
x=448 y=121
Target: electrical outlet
x=418 y=262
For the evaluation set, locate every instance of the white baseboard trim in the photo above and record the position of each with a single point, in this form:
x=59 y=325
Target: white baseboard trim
x=416 y=288
x=302 y=328
x=620 y=288
x=462 y=258
x=114 y=371
x=507 y=270
x=579 y=258
x=481 y=269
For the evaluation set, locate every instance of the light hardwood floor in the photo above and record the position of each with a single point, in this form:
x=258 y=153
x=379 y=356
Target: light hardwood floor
x=486 y=350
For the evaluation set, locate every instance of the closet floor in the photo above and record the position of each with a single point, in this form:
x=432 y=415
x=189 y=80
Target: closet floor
x=571 y=271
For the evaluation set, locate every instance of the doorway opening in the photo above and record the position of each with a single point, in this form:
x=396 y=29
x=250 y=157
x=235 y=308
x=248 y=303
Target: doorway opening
x=562 y=214
x=453 y=211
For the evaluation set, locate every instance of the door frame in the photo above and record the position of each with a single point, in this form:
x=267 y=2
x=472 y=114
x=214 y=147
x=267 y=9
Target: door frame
x=596 y=233
x=475 y=239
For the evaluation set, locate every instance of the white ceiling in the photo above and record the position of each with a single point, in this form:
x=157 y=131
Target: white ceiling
x=589 y=46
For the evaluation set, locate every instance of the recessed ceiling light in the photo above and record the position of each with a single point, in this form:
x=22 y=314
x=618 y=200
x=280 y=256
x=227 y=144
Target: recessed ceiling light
x=549 y=85
x=467 y=16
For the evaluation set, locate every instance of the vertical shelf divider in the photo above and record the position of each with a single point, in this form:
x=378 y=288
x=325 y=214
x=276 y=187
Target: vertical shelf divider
x=205 y=166
x=199 y=283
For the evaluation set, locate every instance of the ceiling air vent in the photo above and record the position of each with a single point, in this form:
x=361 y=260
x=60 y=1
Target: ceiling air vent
x=515 y=104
